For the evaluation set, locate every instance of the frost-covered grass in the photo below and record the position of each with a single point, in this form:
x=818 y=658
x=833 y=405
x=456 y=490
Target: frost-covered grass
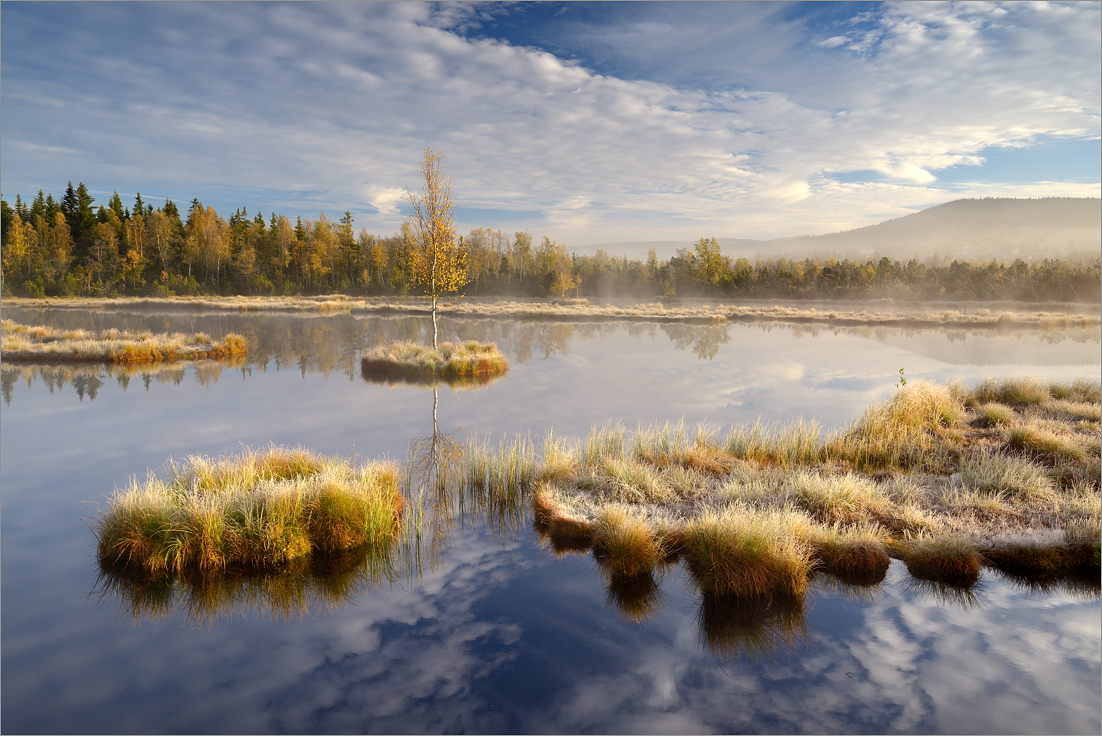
x=47 y=344
x=464 y=361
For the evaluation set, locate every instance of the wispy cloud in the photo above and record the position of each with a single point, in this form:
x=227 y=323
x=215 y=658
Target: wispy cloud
x=341 y=99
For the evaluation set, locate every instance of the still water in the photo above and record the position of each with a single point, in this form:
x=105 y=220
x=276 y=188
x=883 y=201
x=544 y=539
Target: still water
x=498 y=633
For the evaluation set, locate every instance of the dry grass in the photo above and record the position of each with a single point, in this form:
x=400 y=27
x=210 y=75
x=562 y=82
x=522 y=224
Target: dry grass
x=913 y=430
x=921 y=476
x=948 y=559
x=1001 y=475
x=581 y=309
x=258 y=510
x=469 y=361
x=728 y=552
x=48 y=345
x=626 y=544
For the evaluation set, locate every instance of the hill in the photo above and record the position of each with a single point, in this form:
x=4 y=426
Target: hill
x=970 y=229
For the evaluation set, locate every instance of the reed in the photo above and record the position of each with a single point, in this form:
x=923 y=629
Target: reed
x=258 y=510
x=26 y=343
x=581 y=309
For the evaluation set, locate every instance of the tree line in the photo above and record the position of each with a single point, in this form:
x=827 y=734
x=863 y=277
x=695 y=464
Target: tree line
x=68 y=246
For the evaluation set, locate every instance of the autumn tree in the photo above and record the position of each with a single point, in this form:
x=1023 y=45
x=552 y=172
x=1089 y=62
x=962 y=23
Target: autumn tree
x=438 y=261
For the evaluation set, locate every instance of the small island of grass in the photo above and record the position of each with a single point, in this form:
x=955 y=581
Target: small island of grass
x=38 y=344
x=947 y=479
x=450 y=362
x=253 y=512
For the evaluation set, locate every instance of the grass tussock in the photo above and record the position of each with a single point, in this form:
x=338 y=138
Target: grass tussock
x=29 y=343
x=914 y=429
x=856 y=554
x=995 y=474
x=994 y=414
x=945 y=559
x=625 y=544
x=745 y=554
x=933 y=475
x=258 y=510
x=469 y=361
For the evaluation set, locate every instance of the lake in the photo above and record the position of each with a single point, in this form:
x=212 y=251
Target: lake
x=496 y=632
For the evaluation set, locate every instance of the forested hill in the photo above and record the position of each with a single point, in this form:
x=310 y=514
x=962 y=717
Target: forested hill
x=976 y=229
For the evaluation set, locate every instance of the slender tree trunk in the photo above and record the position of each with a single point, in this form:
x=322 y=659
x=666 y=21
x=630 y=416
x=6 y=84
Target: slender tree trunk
x=434 y=328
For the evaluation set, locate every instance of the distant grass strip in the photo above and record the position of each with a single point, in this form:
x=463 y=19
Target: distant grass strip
x=582 y=310
x=261 y=510
x=470 y=360
x=27 y=343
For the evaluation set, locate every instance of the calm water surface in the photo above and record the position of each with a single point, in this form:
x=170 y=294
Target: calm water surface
x=498 y=633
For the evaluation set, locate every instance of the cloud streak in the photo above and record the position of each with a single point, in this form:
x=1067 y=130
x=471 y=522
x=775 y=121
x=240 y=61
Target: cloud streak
x=328 y=106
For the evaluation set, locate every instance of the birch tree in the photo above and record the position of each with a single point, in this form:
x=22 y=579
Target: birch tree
x=438 y=261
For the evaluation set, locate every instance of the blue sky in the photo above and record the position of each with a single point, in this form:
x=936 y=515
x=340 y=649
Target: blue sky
x=586 y=122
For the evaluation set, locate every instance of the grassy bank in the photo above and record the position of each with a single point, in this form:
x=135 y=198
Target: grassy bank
x=464 y=362
x=583 y=310
x=945 y=478
x=257 y=511
x=38 y=344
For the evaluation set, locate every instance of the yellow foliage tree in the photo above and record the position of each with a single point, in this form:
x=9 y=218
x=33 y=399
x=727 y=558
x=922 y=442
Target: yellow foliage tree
x=438 y=261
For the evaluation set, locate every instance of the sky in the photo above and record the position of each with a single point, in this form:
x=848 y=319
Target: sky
x=585 y=122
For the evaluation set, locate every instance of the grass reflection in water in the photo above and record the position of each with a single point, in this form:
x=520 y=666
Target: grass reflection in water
x=759 y=519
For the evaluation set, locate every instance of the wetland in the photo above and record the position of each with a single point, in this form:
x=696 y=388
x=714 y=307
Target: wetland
x=484 y=620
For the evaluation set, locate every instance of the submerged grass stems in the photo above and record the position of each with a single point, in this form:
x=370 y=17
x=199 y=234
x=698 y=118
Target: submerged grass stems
x=47 y=344
x=259 y=510
x=469 y=361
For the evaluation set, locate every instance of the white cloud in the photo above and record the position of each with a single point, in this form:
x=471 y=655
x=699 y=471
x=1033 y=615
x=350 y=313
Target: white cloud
x=341 y=100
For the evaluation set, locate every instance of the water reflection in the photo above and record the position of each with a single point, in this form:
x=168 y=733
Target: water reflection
x=320 y=583
x=331 y=344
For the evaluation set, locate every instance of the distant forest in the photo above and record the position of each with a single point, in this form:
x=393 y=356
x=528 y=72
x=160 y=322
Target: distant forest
x=68 y=247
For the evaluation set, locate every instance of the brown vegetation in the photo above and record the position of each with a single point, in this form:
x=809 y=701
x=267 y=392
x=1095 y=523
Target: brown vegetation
x=38 y=344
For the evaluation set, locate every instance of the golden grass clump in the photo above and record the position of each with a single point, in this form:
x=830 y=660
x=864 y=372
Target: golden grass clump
x=626 y=544
x=911 y=430
x=857 y=554
x=1012 y=391
x=838 y=499
x=777 y=444
x=28 y=343
x=994 y=414
x=995 y=474
x=470 y=360
x=952 y=560
x=1043 y=442
x=735 y=552
x=259 y=510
